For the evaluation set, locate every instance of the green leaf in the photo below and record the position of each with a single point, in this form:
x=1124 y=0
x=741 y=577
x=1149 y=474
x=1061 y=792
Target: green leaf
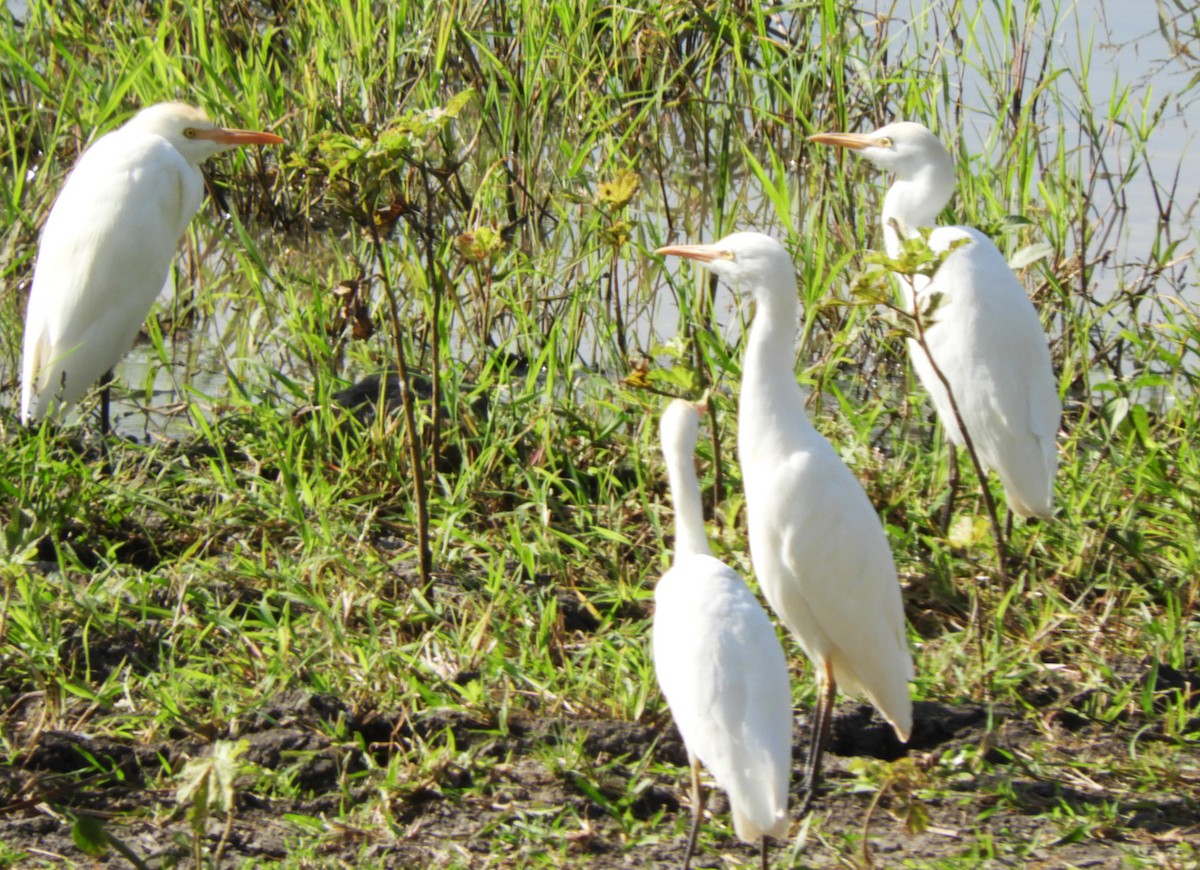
x=458 y=102
x=89 y=836
x=930 y=303
x=395 y=140
x=916 y=820
x=1141 y=424
x=871 y=287
x=1014 y=222
x=480 y=244
x=617 y=193
x=1030 y=254
x=1114 y=411
x=193 y=782
x=617 y=233
x=208 y=782
x=967 y=532
x=225 y=756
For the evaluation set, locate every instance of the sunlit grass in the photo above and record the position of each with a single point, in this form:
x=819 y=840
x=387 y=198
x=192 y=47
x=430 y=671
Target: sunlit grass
x=264 y=542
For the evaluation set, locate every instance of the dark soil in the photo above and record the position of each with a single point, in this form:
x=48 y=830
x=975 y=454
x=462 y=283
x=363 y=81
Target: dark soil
x=456 y=817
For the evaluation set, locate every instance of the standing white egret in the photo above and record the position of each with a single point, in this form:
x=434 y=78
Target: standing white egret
x=719 y=662
x=107 y=246
x=818 y=547
x=985 y=338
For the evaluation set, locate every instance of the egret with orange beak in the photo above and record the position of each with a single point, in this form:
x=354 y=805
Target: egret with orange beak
x=106 y=249
x=986 y=337
x=817 y=546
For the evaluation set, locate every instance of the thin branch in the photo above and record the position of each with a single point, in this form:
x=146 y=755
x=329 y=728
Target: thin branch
x=980 y=471
x=424 y=558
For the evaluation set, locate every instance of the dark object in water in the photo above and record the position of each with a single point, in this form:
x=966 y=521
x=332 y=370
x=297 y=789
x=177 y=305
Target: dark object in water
x=362 y=399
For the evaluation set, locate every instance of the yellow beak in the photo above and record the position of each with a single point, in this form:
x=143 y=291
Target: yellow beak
x=853 y=141
x=703 y=253
x=239 y=137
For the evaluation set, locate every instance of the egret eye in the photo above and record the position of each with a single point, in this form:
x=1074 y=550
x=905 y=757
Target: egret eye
x=728 y=255
x=884 y=141
x=189 y=133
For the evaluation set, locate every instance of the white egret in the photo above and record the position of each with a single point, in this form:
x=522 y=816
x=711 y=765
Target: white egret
x=985 y=337
x=106 y=249
x=719 y=662
x=818 y=547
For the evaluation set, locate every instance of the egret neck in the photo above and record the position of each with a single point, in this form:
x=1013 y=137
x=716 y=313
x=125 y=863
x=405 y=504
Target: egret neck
x=771 y=405
x=690 y=539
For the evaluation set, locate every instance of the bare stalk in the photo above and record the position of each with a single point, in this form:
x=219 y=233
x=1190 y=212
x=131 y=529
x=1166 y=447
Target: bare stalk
x=981 y=473
x=700 y=363
x=434 y=282
x=989 y=502
x=424 y=557
x=225 y=833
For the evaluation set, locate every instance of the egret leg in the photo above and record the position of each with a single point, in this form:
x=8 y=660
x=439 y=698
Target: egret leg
x=826 y=689
x=105 y=389
x=948 y=510
x=1008 y=524
x=765 y=865
x=697 y=812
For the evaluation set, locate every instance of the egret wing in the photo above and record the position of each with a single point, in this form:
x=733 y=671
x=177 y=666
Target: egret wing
x=723 y=672
x=103 y=258
x=844 y=597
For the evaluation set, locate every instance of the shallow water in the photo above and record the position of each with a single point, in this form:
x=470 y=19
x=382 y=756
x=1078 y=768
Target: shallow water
x=1128 y=47
x=1131 y=48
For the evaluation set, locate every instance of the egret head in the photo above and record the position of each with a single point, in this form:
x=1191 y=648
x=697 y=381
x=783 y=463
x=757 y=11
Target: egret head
x=750 y=262
x=903 y=147
x=923 y=169
x=679 y=428
x=192 y=134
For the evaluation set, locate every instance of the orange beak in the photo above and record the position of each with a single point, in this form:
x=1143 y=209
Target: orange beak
x=853 y=141
x=239 y=137
x=703 y=253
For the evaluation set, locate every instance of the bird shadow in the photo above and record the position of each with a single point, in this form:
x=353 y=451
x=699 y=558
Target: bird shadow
x=858 y=731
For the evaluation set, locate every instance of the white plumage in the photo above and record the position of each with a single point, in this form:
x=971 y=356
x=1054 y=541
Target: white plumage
x=718 y=660
x=107 y=246
x=818 y=547
x=986 y=337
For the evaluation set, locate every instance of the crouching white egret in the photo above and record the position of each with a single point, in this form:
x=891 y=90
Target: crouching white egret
x=106 y=249
x=719 y=662
x=817 y=545
x=985 y=337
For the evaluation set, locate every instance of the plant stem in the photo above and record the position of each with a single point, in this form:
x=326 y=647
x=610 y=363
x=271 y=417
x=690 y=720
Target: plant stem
x=980 y=471
x=424 y=558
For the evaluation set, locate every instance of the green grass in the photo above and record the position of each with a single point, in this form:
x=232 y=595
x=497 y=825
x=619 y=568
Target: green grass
x=461 y=166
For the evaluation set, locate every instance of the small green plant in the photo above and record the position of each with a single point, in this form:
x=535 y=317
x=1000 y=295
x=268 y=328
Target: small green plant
x=207 y=785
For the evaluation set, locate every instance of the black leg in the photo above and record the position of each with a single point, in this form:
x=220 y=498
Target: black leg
x=948 y=510
x=697 y=813
x=765 y=865
x=105 y=390
x=826 y=689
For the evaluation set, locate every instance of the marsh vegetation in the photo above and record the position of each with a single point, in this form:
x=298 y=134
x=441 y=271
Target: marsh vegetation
x=256 y=629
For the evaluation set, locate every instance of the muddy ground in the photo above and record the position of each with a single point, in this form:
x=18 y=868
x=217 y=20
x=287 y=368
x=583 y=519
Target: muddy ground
x=458 y=819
